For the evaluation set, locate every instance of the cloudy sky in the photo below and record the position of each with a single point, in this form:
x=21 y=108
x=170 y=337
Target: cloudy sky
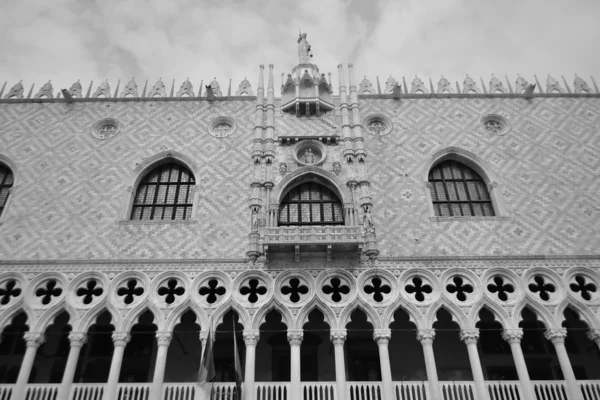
x=66 y=40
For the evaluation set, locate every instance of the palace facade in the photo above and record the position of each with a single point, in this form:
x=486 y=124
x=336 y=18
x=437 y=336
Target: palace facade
x=363 y=241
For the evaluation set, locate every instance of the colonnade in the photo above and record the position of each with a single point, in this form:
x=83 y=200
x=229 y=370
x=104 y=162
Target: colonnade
x=338 y=336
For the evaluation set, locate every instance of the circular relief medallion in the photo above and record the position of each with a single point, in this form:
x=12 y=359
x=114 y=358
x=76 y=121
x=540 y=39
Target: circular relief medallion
x=310 y=152
x=495 y=124
x=106 y=128
x=221 y=127
x=377 y=124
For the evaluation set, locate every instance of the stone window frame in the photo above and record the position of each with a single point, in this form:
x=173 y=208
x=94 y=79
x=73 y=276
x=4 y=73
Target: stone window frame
x=6 y=162
x=142 y=170
x=490 y=178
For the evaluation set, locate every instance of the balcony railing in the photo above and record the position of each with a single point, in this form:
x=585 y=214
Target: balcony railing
x=312 y=234
x=405 y=390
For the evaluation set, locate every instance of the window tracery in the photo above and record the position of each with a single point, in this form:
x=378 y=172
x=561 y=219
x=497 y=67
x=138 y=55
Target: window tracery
x=458 y=191
x=310 y=204
x=165 y=193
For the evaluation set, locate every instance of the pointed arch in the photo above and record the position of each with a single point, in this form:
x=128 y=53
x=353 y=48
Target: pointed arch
x=316 y=174
x=472 y=161
x=584 y=313
x=174 y=316
x=317 y=304
x=50 y=315
x=372 y=317
x=8 y=317
x=89 y=318
x=413 y=314
x=541 y=314
x=134 y=315
x=8 y=182
x=500 y=314
x=219 y=314
x=259 y=318
x=455 y=312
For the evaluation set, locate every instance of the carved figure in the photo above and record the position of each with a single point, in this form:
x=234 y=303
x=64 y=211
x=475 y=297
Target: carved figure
x=254 y=220
x=309 y=157
x=45 y=90
x=365 y=86
x=186 y=88
x=76 y=89
x=304 y=50
x=244 y=88
x=103 y=89
x=216 y=88
x=418 y=86
x=580 y=86
x=496 y=85
x=158 y=89
x=368 y=226
x=390 y=84
x=16 y=91
x=521 y=84
x=337 y=167
x=553 y=85
x=444 y=86
x=130 y=89
x=469 y=85
x=282 y=168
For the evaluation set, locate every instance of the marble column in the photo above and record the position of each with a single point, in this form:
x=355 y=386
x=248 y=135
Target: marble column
x=557 y=337
x=120 y=340
x=77 y=340
x=382 y=337
x=470 y=337
x=163 y=339
x=594 y=336
x=338 y=337
x=33 y=340
x=250 y=339
x=514 y=337
x=426 y=336
x=295 y=337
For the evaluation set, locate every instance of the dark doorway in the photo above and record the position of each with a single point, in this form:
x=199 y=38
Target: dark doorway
x=223 y=347
x=451 y=357
x=140 y=353
x=273 y=350
x=362 y=353
x=317 y=354
x=583 y=352
x=539 y=353
x=51 y=357
x=95 y=357
x=406 y=353
x=185 y=350
x=12 y=348
x=494 y=352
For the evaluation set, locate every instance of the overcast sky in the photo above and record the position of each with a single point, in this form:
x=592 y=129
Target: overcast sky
x=66 y=40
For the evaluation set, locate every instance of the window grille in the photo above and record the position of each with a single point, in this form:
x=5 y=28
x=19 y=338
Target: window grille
x=458 y=191
x=167 y=192
x=6 y=183
x=310 y=204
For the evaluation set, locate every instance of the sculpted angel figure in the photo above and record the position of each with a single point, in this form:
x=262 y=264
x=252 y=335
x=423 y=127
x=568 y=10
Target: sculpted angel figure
x=304 y=52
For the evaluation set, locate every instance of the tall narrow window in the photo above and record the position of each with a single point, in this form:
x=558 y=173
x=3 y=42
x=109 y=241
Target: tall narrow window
x=310 y=204
x=458 y=191
x=167 y=192
x=6 y=182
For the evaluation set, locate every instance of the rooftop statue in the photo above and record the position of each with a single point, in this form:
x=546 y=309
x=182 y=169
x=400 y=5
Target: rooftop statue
x=304 y=52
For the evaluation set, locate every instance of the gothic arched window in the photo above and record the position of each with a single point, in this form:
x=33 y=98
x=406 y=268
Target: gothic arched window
x=458 y=191
x=167 y=192
x=6 y=183
x=310 y=204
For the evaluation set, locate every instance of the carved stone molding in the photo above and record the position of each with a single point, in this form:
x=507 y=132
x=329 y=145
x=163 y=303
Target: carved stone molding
x=295 y=337
x=513 y=335
x=251 y=337
x=426 y=336
x=77 y=339
x=338 y=336
x=556 y=335
x=469 y=335
x=121 y=338
x=382 y=336
x=163 y=338
x=34 y=339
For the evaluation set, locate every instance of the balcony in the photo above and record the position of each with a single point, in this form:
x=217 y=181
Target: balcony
x=313 y=242
x=403 y=390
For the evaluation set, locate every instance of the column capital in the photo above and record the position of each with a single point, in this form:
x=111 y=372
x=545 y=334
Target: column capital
x=513 y=335
x=557 y=335
x=121 y=338
x=594 y=335
x=77 y=339
x=251 y=337
x=163 y=338
x=34 y=339
x=426 y=336
x=382 y=336
x=338 y=336
x=469 y=335
x=295 y=336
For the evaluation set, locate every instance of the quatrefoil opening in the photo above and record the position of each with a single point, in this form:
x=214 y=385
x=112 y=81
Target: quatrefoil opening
x=171 y=290
x=295 y=289
x=377 y=288
x=49 y=291
x=336 y=289
x=460 y=288
x=131 y=291
x=253 y=290
x=418 y=288
x=9 y=291
x=89 y=291
x=212 y=291
x=542 y=288
x=585 y=289
x=502 y=289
